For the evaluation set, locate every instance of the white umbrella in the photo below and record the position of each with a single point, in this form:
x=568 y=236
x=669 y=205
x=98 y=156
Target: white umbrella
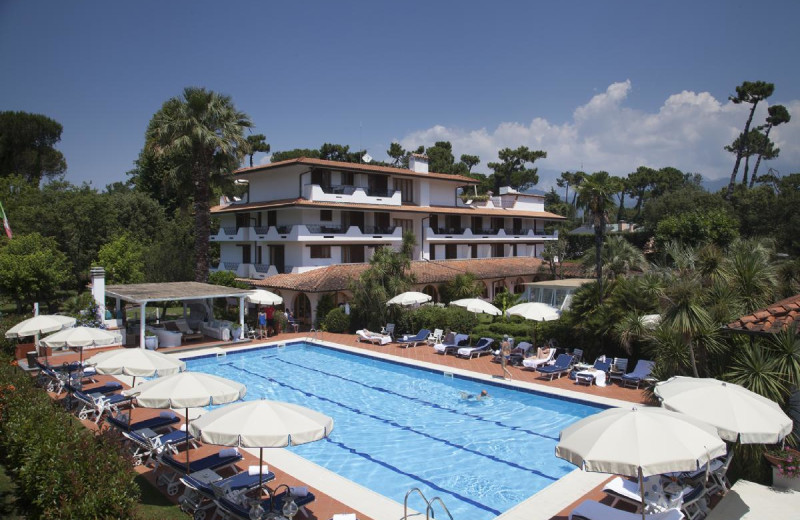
x=534 y=311
x=737 y=413
x=409 y=298
x=42 y=324
x=263 y=297
x=187 y=390
x=477 y=305
x=80 y=337
x=262 y=424
x=639 y=442
x=136 y=362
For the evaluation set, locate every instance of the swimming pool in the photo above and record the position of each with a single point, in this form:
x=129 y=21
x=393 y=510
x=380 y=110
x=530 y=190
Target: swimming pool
x=399 y=427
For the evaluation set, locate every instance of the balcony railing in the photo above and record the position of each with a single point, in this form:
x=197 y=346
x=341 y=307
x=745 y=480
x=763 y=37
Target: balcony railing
x=351 y=194
x=320 y=228
x=379 y=230
x=450 y=231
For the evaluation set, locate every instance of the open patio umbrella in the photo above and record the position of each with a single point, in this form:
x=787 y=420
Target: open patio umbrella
x=80 y=337
x=136 y=362
x=737 y=413
x=639 y=442
x=187 y=390
x=262 y=424
x=407 y=299
x=477 y=305
x=534 y=311
x=41 y=324
x=263 y=297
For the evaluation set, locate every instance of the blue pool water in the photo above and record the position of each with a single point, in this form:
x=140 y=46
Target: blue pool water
x=398 y=427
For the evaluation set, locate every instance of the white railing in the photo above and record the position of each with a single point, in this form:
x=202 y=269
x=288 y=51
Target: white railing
x=352 y=195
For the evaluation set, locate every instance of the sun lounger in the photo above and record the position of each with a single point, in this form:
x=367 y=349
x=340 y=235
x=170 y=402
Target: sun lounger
x=388 y=330
x=159 y=422
x=592 y=510
x=373 y=337
x=560 y=367
x=95 y=405
x=484 y=346
x=622 y=489
x=145 y=449
x=199 y=497
x=618 y=369
x=412 y=341
x=451 y=346
x=172 y=469
x=597 y=374
x=639 y=375
x=233 y=509
x=519 y=353
x=541 y=359
x=435 y=337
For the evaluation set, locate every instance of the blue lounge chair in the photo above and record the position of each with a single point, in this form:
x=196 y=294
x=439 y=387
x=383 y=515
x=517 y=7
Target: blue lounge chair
x=174 y=469
x=242 y=511
x=484 y=346
x=96 y=404
x=588 y=377
x=144 y=449
x=199 y=497
x=560 y=367
x=640 y=373
x=413 y=341
x=154 y=423
x=449 y=346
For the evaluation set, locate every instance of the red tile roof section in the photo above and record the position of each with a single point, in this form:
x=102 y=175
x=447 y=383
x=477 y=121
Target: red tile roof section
x=405 y=208
x=337 y=277
x=775 y=318
x=338 y=165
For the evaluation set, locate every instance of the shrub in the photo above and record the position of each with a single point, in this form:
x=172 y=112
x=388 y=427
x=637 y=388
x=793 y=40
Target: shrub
x=325 y=305
x=61 y=469
x=432 y=317
x=336 y=321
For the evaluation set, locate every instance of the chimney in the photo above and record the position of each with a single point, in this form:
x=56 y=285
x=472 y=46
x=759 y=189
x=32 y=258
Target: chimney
x=98 y=276
x=418 y=163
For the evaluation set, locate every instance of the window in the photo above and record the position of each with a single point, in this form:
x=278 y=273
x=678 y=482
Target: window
x=352 y=254
x=246 y=254
x=406 y=188
x=498 y=250
x=473 y=250
x=404 y=224
x=320 y=251
x=432 y=253
x=325 y=215
x=348 y=179
x=451 y=251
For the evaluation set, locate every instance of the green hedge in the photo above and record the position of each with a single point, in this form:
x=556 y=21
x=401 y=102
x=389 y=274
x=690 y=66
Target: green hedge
x=432 y=317
x=336 y=321
x=61 y=469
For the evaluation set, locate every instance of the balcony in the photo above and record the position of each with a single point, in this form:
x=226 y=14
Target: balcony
x=351 y=195
x=442 y=235
x=314 y=233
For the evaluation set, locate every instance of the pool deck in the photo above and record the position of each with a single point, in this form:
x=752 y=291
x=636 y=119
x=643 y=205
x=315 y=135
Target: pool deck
x=338 y=495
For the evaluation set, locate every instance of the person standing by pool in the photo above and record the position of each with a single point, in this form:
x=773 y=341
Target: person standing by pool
x=262 y=323
x=270 y=319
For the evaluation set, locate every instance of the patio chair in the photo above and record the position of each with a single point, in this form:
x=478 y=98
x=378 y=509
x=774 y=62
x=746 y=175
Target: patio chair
x=451 y=346
x=372 y=337
x=577 y=353
x=172 y=469
x=388 y=329
x=641 y=372
x=618 y=368
x=520 y=353
x=484 y=346
x=596 y=375
x=435 y=337
x=200 y=497
x=96 y=404
x=560 y=367
x=592 y=510
x=413 y=341
x=543 y=356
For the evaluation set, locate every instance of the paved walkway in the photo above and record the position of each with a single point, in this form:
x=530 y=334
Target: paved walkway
x=552 y=502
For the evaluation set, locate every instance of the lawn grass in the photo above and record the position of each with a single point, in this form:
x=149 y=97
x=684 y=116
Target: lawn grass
x=153 y=505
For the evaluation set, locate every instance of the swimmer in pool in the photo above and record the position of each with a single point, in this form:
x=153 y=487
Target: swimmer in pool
x=480 y=397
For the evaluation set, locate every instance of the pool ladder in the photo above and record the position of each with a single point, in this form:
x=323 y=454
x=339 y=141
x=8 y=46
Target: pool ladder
x=429 y=509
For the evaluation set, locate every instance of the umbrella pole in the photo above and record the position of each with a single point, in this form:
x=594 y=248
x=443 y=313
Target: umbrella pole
x=260 y=471
x=641 y=490
x=186 y=423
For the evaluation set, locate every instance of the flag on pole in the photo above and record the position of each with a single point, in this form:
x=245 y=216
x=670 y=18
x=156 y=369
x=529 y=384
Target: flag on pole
x=5 y=222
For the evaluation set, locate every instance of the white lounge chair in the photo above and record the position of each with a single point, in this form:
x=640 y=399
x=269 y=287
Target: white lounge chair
x=435 y=337
x=592 y=510
x=373 y=337
x=534 y=362
x=656 y=500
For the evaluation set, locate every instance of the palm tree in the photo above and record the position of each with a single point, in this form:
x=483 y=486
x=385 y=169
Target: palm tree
x=685 y=312
x=464 y=285
x=618 y=257
x=595 y=196
x=748 y=269
x=207 y=132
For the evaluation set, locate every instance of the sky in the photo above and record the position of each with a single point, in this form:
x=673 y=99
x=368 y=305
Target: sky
x=609 y=85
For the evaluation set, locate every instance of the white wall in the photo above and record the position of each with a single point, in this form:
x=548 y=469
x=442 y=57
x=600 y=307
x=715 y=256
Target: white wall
x=442 y=193
x=275 y=186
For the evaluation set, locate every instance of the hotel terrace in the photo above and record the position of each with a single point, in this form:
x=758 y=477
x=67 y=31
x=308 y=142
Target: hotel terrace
x=302 y=215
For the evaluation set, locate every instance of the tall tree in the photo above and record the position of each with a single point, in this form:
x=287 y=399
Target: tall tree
x=777 y=116
x=256 y=143
x=751 y=92
x=470 y=161
x=755 y=142
x=396 y=153
x=564 y=181
x=513 y=170
x=27 y=146
x=440 y=157
x=340 y=153
x=205 y=128
x=595 y=195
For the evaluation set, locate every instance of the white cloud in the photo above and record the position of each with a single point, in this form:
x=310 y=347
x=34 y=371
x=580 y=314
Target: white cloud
x=688 y=132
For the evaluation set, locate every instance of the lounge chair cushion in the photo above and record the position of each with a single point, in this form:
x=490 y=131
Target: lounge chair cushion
x=256 y=470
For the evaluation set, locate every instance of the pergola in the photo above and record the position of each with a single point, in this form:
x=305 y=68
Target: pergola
x=143 y=293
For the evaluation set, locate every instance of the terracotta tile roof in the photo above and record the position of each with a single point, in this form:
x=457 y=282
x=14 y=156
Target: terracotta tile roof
x=405 y=208
x=337 y=277
x=773 y=319
x=338 y=165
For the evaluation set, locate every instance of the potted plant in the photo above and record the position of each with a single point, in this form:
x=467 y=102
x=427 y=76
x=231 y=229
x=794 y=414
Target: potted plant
x=150 y=340
x=785 y=468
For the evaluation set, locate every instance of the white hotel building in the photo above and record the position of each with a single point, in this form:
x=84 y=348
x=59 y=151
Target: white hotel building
x=303 y=215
